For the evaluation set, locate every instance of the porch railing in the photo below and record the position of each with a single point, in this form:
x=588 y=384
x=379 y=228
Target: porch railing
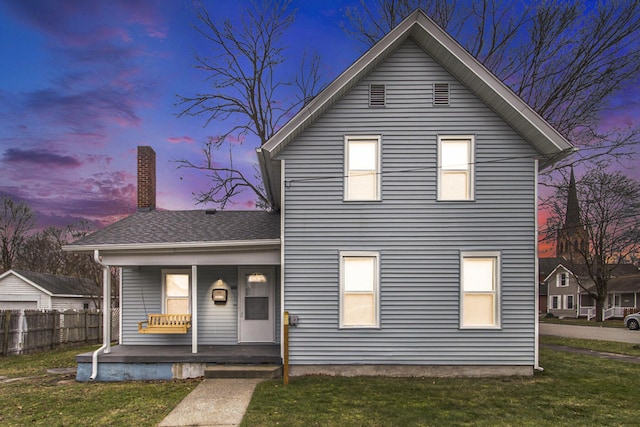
x=590 y=312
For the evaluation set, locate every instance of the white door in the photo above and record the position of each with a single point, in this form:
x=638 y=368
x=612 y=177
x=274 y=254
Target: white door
x=256 y=305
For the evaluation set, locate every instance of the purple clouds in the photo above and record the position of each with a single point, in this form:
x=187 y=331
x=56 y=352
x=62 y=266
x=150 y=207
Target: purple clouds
x=41 y=158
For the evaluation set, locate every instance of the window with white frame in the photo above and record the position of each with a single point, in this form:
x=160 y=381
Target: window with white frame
x=359 y=289
x=569 y=304
x=562 y=280
x=362 y=168
x=175 y=291
x=480 y=282
x=455 y=167
x=555 y=302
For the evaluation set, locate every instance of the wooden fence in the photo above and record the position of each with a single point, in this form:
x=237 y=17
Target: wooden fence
x=30 y=331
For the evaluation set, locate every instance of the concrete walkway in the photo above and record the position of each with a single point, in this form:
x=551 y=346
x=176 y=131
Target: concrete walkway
x=590 y=333
x=214 y=403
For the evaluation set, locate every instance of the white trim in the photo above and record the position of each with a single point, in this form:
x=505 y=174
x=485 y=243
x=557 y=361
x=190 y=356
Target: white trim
x=496 y=257
x=376 y=287
x=471 y=179
x=282 y=246
x=378 y=140
x=194 y=308
x=164 y=273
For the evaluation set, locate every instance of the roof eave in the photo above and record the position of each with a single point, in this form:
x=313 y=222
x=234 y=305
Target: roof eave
x=176 y=246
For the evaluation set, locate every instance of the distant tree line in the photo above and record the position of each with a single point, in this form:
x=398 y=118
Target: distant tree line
x=24 y=247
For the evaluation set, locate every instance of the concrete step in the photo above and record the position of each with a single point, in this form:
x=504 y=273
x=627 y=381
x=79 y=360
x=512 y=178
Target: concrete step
x=243 y=371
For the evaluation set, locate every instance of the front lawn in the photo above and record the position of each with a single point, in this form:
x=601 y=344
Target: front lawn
x=31 y=396
x=573 y=390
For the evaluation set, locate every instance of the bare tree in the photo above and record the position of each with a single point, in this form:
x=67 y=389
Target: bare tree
x=567 y=59
x=16 y=221
x=249 y=93
x=610 y=214
x=42 y=252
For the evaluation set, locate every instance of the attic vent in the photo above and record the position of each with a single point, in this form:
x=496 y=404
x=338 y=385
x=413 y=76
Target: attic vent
x=377 y=94
x=441 y=94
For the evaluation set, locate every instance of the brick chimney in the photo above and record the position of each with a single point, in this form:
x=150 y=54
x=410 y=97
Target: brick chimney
x=146 y=179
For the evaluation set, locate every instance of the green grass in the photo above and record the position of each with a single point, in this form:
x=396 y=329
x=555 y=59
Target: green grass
x=603 y=346
x=609 y=323
x=41 y=399
x=574 y=390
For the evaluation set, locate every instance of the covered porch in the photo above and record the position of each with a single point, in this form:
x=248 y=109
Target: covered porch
x=213 y=280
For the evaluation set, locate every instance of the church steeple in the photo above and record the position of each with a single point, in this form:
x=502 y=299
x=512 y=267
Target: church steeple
x=572 y=217
x=573 y=240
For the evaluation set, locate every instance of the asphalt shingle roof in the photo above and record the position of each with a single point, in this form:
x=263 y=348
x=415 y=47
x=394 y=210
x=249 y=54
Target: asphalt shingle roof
x=60 y=285
x=186 y=226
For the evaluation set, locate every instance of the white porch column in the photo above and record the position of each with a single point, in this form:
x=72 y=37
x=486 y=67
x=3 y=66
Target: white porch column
x=194 y=309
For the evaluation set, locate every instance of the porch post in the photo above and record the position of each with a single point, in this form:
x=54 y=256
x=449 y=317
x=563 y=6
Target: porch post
x=194 y=309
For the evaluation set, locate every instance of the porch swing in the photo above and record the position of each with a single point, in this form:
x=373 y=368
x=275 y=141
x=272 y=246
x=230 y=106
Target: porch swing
x=163 y=323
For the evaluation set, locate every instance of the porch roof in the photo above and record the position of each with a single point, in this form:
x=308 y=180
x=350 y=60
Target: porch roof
x=187 y=229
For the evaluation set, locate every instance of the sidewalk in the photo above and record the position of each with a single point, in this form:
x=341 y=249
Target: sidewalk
x=214 y=403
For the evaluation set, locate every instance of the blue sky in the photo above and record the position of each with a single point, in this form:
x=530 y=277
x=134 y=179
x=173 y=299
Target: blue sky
x=83 y=83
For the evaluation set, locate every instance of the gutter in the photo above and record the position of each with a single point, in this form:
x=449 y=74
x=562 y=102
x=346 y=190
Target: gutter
x=106 y=316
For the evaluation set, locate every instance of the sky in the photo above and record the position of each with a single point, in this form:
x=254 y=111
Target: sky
x=83 y=83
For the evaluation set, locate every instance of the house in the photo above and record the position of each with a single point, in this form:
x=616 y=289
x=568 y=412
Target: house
x=566 y=278
x=569 y=288
x=403 y=243
x=26 y=290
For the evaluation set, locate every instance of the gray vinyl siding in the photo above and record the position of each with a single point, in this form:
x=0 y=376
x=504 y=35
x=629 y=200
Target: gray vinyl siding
x=418 y=238
x=217 y=324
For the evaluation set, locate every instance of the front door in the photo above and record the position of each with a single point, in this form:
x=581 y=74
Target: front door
x=256 y=305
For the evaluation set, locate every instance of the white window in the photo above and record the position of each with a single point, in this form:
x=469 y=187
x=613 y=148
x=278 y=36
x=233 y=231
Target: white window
x=362 y=168
x=455 y=167
x=359 y=289
x=569 y=302
x=562 y=280
x=175 y=291
x=555 y=302
x=479 y=303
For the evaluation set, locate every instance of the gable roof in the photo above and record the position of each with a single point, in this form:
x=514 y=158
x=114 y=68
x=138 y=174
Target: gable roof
x=545 y=139
x=187 y=229
x=54 y=285
x=624 y=278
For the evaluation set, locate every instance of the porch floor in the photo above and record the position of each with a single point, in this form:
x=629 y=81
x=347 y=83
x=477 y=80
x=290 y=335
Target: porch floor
x=212 y=354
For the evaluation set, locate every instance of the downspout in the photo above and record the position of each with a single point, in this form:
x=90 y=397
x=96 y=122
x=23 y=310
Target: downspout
x=106 y=316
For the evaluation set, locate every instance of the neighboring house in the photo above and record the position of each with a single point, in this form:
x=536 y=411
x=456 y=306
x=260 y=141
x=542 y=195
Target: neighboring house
x=404 y=244
x=567 y=298
x=20 y=289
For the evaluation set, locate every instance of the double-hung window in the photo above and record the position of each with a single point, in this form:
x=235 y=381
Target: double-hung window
x=561 y=280
x=569 y=304
x=455 y=167
x=480 y=296
x=359 y=289
x=175 y=291
x=362 y=168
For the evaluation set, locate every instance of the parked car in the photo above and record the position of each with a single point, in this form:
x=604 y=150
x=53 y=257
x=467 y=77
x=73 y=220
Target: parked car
x=632 y=321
